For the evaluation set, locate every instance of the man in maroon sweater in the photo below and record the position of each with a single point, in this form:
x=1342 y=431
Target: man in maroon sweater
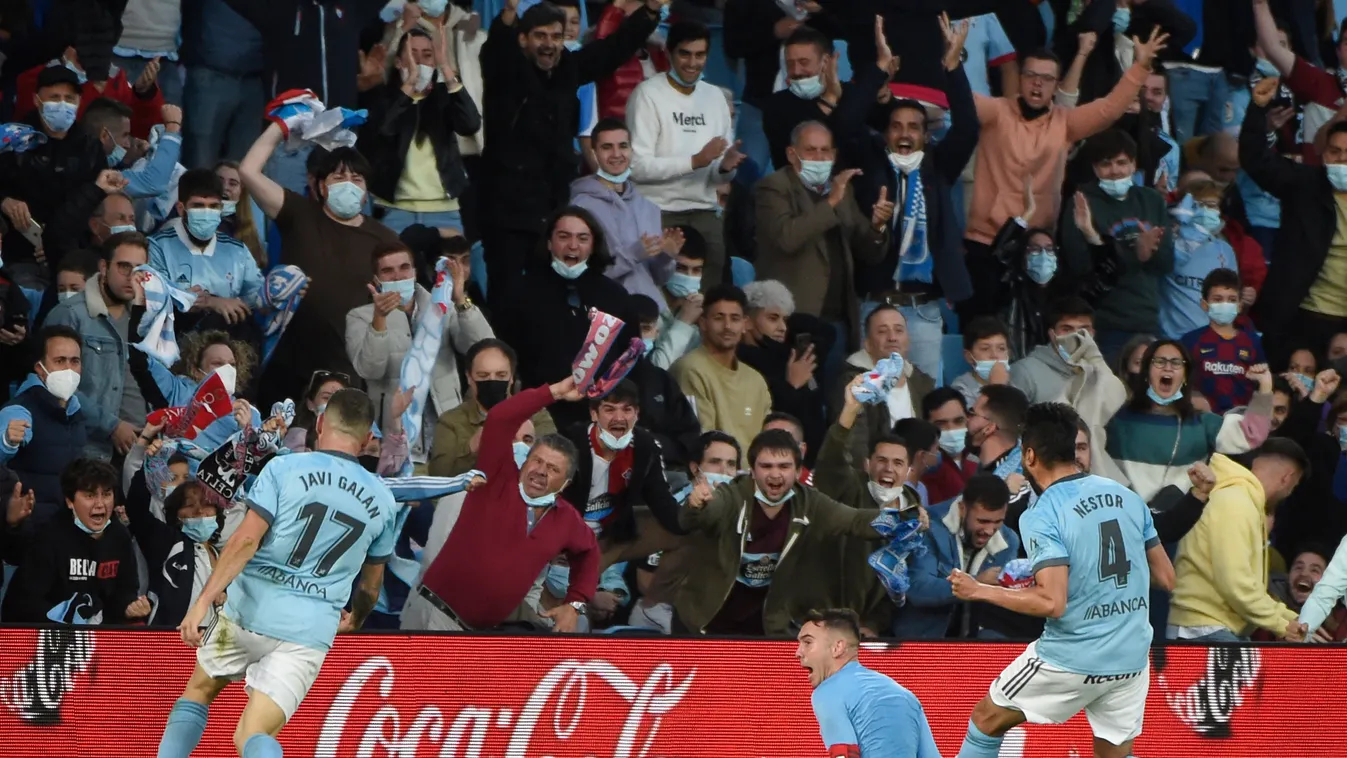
x=510 y=529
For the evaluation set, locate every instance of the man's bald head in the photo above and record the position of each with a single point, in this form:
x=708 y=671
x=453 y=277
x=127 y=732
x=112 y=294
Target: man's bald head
x=1219 y=157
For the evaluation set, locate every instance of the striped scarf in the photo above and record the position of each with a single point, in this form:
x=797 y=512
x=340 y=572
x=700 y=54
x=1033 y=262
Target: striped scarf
x=156 y=328
x=418 y=365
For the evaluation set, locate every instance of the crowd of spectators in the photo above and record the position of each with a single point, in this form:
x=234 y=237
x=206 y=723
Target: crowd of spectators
x=1013 y=202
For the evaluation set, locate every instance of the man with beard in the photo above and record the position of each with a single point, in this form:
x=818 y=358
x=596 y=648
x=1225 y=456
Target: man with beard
x=458 y=434
x=112 y=404
x=1308 y=570
x=881 y=482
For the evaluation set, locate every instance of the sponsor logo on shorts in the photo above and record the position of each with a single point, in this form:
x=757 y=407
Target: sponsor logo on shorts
x=1093 y=679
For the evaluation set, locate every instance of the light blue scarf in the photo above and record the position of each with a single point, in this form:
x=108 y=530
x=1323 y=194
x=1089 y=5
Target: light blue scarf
x=890 y=561
x=914 y=255
x=280 y=298
x=156 y=328
x=418 y=365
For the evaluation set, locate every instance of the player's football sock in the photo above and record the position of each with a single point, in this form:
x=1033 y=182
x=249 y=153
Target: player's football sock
x=262 y=746
x=979 y=745
x=186 y=724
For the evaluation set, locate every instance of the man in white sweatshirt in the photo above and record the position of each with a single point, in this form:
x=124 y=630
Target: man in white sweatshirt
x=681 y=135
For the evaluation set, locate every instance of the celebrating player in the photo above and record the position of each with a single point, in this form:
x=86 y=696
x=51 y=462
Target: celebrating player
x=861 y=713
x=1085 y=535
x=312 y=519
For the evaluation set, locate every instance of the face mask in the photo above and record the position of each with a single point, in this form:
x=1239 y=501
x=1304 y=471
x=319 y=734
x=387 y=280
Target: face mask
x=230 y=208
x=570 y=273
x=202 y=223
x=59 y=117
x=683 y=285
x=615 y=178
x=1266 y=68
x=571 y=44
x=1337 y=176
x=228 y=376
x=61 y=297
x=1040 y=267
x=884 y=495
x=344 y=199
x=492 y=391
x=953 y=441
x=1122 y=18
x=1223 y=313
x=62 y=384
x=815 y=174
x=537 y=502
x=808 y=88
x=521 y=453
x=1066 y=357
x=1305 y=381
x=647 y=346
x=404 y=287
x=674 y=75
x=558 y=580
x=907 y=163
x=1115 y=188
x=199 y=529
x=614 y=443
x=168 y=490
x=757 y=492
x=84 y=528
x=984 y=368
x=663 y=13
x=715 y=480
x=433 y=8
x=117 y=155
x=1208 y=219
x=1155 y=398
x=424 y=76
x=119 y=228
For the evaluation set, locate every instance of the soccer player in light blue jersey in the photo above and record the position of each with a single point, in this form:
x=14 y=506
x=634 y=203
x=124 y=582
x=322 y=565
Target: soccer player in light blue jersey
x=1086 y=536
x=861 y=713
x=315 y=520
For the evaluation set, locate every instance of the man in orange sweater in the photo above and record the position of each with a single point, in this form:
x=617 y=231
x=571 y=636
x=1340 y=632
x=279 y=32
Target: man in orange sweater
x=1028 y=135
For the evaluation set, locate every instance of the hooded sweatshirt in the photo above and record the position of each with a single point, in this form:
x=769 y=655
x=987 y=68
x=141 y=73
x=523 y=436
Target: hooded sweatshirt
x=1042 y=375
x=625 y=216
x=1221 y=576
x=69 y=577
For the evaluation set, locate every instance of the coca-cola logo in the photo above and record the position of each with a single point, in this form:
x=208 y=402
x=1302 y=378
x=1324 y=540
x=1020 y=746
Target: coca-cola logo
x=565 y=688
x=36 y=690
x=1208 y=704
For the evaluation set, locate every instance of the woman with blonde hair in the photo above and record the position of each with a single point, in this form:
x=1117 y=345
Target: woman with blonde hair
x=238 y=220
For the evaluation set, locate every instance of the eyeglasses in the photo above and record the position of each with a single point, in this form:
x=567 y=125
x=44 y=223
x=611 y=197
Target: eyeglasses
x=1163 y=363
x=1035 y=77
x=1036 y=249
x=322 y=376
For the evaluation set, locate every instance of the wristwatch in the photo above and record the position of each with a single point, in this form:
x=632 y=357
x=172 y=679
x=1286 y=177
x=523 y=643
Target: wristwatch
x=579 y=607
x=464 y=306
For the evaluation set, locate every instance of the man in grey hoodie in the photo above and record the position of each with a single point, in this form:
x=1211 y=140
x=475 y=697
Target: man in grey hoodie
x=643 y=254
x=1043 y=374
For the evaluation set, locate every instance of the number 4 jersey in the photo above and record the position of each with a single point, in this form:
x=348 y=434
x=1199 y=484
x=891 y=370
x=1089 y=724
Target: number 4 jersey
x=1100 y=531
x=328 y=516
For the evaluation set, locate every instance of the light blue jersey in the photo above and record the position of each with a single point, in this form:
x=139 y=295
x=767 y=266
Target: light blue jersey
x=1196 y=254
x=1101 y=530
x=225 y=268
x=987 y=47
x=858 y=708
x=328 y=515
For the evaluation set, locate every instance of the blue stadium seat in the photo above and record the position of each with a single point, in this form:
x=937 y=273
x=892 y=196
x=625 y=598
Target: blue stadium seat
x=742 y=272
x=951 y=356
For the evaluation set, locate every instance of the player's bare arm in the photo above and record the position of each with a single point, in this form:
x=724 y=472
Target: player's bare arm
x=364 y=598
x=1162 y=570
x=1045 y=599
x=236 y=554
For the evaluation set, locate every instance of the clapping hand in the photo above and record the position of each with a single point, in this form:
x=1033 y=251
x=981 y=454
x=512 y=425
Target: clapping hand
x=955 y=35
x=149 y=77
x=672 y=241
x=1084 y=219
x=1148 y=241
x=20 y=505
x=839 y=186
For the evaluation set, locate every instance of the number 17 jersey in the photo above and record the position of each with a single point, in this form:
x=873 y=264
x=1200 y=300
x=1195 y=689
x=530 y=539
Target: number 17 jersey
x=1100 y=530
x=328 y=517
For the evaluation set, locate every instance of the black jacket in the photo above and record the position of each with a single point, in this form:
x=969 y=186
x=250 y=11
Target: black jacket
x=69 y=574
x=666 y=414
x=44 y=177
x=1102 y=71
x=531 y=119
x=1301 y=187
x=58 y=439
x=750 y=37
x=941 y=168
x=646 y=486
x=169 y=555
x=395 y=119
x=550 y=322
x=311 y=44
x=1312 y=513
x=771 y=359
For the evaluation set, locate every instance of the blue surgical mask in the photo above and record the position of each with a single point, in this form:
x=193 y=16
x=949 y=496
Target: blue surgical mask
x=230 y=208
x=84 y=528
x=59 y=116
x=1223 y=313
x=80 y=76
x=953 y=441
x=984 y=368
x=202 y=222
x=647 y=345
x=1337 y=175
x=808 y=88
x=558 y=580
x=682 y=285
x=1040 y=267
x=433 y=8
x=663 y=13
x=200 y=529
x=715 y=480
x=1116 y=188
x=537 y=502
x=569 y=272
x=815 y=174
x=117 y=155
x=1155 y=397
x=119 y=228
x=1122 y=18
x=168 y=490
x=1066 y=355
x=1208 y=219
x=757 y=492
x=674 y=75
x=1305 y=380
x=406 y=288
x=571 y=44
x=614 y=443
x=1266 y=67
x=344 y=199
x=521 y=453
x=615 y=178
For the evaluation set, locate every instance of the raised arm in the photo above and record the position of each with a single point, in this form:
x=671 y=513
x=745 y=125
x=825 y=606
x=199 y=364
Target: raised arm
x=1330 y=589
x=601 y=57
x=953 y=152
x=1265 y=26
x=1276 y=175
x=268 y=195
x=1099 y=115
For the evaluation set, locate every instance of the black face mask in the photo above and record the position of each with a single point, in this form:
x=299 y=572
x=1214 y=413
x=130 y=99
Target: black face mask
x=1031 y=113
x=491 y=391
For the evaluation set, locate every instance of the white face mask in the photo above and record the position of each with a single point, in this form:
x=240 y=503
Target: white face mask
x=907 y=163
x=228 y=375
x=62 y=384
x=424 y=76
x=885 y=495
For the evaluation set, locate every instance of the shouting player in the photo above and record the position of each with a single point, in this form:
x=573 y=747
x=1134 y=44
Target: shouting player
x=313 y=519
x=861 y=713
x=1086 y=536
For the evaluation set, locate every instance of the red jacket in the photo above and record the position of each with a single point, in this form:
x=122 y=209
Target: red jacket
x=948 y=479
x=490 y=560
x=145 y=111
x=1248 y=253
x=614 y=90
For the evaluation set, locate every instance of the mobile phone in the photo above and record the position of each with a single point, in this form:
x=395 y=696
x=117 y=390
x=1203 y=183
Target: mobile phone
x=33 y=234
x=803 y=342
x=17 y=320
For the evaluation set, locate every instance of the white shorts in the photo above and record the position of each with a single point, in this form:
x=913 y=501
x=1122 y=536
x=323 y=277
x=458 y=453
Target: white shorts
x=283 y=671
x=1115 y=705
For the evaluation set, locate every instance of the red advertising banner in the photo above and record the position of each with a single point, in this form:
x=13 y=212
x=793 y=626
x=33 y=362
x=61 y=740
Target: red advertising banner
x=71 y=692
